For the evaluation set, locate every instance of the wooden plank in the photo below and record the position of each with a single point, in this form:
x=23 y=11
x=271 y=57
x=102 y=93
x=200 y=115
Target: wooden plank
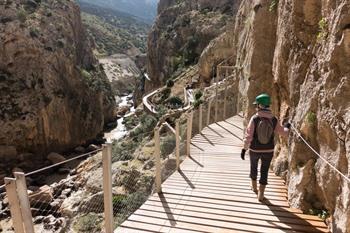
x=211 y=193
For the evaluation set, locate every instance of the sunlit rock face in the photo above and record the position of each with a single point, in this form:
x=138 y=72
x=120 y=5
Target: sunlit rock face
x=53 y=93
x=298 y=52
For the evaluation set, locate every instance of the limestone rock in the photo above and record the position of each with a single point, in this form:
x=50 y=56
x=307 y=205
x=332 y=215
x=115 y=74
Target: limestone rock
x=8 y=153
x=55 y=158
x=43 y=195
x=194 y=24
x=51 y=85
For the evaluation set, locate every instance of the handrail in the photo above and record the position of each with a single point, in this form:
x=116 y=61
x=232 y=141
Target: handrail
x=152 y=109
x=321 y=157
x=63 y=162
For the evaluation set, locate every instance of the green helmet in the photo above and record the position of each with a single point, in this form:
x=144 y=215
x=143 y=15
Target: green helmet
x=263 y=99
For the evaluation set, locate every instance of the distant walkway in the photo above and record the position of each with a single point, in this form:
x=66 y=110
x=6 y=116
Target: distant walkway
x=211 y=193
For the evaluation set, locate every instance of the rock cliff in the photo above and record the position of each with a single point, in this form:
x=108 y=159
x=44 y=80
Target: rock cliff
x=299 y=53
x=53 y=93
x=181 y=31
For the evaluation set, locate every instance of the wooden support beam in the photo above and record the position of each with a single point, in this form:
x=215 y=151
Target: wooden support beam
x=23 y=198
x=107 y=187
x=225 y=103
x=177 y=136
x=15 y=209
x=200 y=125
x=189 y=133
x=157 y=157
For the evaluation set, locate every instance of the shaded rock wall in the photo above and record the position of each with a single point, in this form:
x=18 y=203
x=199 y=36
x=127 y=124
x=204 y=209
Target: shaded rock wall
x=298 y=52
x=53 y=93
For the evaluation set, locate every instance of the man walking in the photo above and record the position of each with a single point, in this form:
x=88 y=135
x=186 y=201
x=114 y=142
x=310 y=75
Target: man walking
x=259 y=139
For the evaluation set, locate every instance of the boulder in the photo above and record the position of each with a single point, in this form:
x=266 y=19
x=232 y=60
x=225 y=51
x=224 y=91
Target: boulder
x=80 y=149
x=43 y=195
x=55 y=158
x=7 y=153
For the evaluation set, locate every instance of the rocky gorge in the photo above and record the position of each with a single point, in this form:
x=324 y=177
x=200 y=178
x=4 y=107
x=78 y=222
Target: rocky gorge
x=296 y=51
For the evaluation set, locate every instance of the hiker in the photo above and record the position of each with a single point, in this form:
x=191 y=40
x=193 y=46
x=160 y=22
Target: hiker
x=259 y=139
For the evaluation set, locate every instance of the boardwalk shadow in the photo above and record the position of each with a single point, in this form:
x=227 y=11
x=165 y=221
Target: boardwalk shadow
x=229 y=132
x=292 y=220
x=197 y=146
x=233 y=124
x=167 y=209
x=215 y=131
x=186 y=179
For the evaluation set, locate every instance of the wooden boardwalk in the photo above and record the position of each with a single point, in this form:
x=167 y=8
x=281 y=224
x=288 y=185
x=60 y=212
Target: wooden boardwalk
x=211 y=193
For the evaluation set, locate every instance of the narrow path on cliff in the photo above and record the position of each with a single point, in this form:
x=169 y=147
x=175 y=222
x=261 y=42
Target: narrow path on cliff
x=211 y=193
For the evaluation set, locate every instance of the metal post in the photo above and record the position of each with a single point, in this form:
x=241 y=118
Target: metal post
x=15 y=209
x=177 y=136
x=157 y=157
x=107 y=187
x=200 y=118
x=23 y=198
x=189 y=133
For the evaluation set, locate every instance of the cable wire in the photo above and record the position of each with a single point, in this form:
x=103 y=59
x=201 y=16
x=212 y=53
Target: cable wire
x=324 y=159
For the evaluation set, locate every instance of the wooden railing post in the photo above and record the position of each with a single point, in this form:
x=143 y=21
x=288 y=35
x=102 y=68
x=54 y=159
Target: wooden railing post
x=200 y=125
x=23 y=198
x=216 y=94
x=225 y=103
x=209 y=109
x=177 y=136
x=107 y=187
x=189 y=133
x=157 y=157
x=15 y=209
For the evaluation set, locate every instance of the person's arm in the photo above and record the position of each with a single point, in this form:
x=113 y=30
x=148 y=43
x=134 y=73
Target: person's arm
x=281 y=130
x=248 y=137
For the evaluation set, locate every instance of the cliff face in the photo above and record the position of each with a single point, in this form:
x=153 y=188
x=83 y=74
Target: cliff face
x=53 y=93
x=299 y=53
x=181 y=31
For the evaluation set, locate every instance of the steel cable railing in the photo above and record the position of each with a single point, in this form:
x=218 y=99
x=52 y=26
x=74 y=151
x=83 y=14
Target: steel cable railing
x=320 y=156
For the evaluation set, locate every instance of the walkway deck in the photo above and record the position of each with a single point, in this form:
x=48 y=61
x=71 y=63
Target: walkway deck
x=211 y=193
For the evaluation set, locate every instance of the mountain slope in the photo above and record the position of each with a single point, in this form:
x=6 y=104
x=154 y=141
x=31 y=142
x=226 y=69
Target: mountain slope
x=144 y=9
x=114 y=31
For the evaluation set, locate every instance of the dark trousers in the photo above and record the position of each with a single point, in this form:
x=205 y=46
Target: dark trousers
x=265 y=165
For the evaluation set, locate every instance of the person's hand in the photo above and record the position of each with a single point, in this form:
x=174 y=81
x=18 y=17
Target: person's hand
x=243 y=154
x=287 y=125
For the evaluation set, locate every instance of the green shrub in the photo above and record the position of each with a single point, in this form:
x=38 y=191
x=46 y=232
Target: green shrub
x=198 y=94
x=165 y=94
x=167 y=145
x=22 y=15
x=148 y=122
x=323 y=214
x=323 y=30
x=123 y=150
x=175 y=102
x=273 y=5
x=196 y=103
x=34 y=32
x=311 y=117
x=169 y=83
x=90 y=223
x=161 y=110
